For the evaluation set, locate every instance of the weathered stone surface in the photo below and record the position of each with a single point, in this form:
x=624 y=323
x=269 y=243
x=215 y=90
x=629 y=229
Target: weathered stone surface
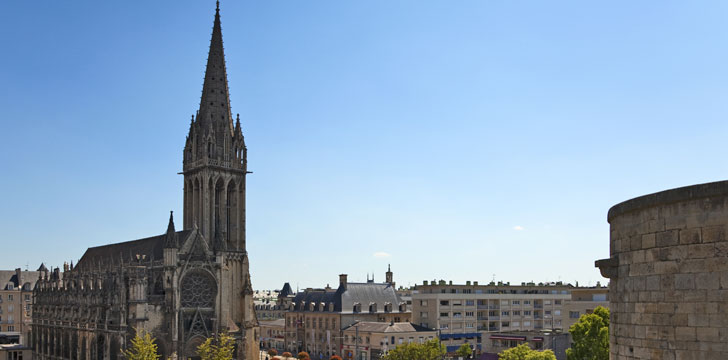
x=669 y=292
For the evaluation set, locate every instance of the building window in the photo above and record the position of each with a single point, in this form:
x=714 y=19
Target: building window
x=526 y=302
x=517 y=313
x=11 y=328
x=526 y=323
x=423 y=302
x=557 y=312
x=423 y=315
x=457 y=315
x=527 y=312
x=505 y=313
x=506 y=324
x=444 y=314
x=469 y=325
x=27 y=297
x=573 y=314
x=469 y=302
x=557 y=302
x=469 y=313
x=444 y=303
x=10 y=297
x=457 y=303
x=516 y=302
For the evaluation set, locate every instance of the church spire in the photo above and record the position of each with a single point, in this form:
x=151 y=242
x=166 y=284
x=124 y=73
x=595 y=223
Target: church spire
x=215 y=99
x=170 y=240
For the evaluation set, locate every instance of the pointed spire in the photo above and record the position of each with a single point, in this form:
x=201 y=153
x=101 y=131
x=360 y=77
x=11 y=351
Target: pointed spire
x=170 y=240
x=215 y=101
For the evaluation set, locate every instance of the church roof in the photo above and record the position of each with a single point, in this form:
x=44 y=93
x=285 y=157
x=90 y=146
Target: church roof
x=151 y=248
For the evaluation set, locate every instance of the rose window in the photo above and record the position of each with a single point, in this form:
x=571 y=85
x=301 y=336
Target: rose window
x=198 y=290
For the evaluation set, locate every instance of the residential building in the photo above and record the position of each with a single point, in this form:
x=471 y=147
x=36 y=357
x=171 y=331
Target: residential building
x=16 y=303
x=371 y=340
x=465 y=313
x=556 y=341
x=181 y=286
x=316 y=317
x=272 y=334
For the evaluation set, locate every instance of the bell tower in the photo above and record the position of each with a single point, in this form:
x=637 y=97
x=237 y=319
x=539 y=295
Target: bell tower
x=215 y=159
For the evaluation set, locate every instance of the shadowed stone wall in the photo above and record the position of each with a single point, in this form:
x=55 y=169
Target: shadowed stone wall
x=668 y=267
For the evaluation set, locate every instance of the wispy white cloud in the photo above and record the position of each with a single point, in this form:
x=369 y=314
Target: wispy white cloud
x=382 y=254
x=518 y=228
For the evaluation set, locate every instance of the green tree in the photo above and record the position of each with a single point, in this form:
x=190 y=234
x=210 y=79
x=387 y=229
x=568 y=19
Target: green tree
x=217 y=349
x=590 y=336
x=523 y=352
x=430 y=350
x=142 y=347
x=464 y=351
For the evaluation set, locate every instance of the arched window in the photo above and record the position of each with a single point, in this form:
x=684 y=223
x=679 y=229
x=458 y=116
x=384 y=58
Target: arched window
x=198 y=290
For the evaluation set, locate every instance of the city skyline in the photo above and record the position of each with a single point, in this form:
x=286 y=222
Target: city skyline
x=471 y=142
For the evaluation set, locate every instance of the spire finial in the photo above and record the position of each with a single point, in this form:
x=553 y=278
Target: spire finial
x=217 y=5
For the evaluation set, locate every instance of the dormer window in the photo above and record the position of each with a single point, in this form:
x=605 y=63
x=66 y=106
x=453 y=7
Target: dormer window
x=372 y=307
x=357 y=307
x=387 y=307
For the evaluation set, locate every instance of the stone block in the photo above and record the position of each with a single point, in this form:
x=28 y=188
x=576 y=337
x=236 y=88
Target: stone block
x=652 y=282
x=648 y=241
x=700 y=251
x=685 y=333
x=684 y=281
x=667 y=238
x=713 y=234
x=707 y=334
x=707 y=281
x=690 y=236
x=699 y=320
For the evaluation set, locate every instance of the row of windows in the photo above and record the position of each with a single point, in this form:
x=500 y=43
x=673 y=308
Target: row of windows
x=493 y=325
x=498 y=291
x=493 y=302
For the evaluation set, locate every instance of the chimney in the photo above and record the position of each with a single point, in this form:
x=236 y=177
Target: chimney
x=342 y=280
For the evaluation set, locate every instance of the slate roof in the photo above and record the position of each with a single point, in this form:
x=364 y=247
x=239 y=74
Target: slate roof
x=286 y=290
x=152 y=247
x=383 y=327
x=26 y=277
x=345 y=297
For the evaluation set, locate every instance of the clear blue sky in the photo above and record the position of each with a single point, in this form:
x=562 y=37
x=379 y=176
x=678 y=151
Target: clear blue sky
x=453 y=139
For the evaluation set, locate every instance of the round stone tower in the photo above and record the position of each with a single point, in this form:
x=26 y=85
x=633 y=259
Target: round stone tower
x=668 y=271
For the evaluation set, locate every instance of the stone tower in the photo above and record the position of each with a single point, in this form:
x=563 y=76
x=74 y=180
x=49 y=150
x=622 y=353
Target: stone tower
x=214 y=169
x=214 y=159
x=181 y=286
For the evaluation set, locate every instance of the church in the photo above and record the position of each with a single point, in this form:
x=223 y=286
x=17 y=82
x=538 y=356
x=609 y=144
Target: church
x=181 y=286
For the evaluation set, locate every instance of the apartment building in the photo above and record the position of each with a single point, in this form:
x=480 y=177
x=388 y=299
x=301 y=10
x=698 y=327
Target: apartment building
x=16 y=302
x=466 y=313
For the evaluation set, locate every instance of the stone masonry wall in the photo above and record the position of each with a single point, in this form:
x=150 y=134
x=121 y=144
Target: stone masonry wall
x=668 y=267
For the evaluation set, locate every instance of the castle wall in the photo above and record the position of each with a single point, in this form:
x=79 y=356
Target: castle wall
x=668 y=267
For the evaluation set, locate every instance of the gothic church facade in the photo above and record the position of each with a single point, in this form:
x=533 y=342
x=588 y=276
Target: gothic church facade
x=182 y=286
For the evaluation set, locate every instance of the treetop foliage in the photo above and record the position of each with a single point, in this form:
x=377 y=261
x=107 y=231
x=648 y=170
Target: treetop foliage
x=590 y=336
